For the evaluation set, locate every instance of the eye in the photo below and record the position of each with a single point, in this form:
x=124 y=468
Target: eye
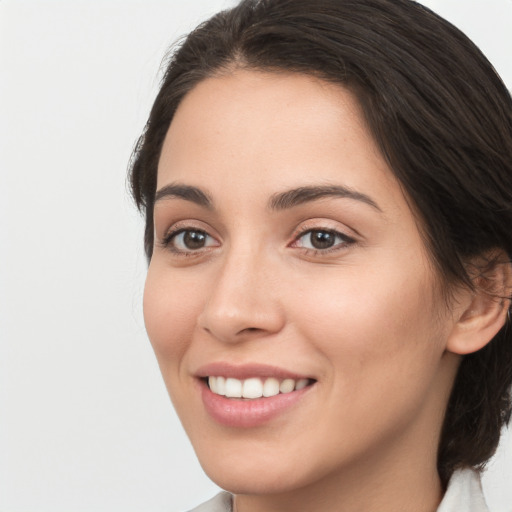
x=322 y=240
x=189 y=240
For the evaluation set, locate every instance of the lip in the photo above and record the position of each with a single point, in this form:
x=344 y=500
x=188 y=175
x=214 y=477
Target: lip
x=246 y=371
x=242 y=413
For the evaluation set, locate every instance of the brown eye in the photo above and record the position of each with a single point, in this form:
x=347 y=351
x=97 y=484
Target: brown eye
x=188 y=240
x=194 y=239
x=323 y=240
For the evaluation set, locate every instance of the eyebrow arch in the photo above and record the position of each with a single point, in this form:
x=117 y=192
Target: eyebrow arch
x=301 y=195
x=187 y=192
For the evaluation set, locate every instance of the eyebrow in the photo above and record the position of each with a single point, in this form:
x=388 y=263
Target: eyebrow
x=187 y=192
x=280 y=201
x=302 y=195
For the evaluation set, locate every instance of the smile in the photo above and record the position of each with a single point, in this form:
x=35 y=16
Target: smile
x=250 y=395
x=255 y=387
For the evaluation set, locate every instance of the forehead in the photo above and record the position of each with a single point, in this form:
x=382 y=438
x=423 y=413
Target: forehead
x=274 y=130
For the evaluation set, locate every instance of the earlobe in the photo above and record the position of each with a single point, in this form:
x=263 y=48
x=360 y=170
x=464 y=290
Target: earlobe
x=486 y=309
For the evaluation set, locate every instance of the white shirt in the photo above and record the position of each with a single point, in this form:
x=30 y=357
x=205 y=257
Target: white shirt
x=464 y=493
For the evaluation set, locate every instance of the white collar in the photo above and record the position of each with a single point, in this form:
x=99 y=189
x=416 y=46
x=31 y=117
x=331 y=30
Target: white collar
x=464 y=493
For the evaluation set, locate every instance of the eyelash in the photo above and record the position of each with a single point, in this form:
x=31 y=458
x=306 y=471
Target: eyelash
x=346 y=241
x=171 y=236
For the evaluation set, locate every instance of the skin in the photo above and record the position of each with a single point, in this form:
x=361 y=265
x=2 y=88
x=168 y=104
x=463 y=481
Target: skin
x=365 y=318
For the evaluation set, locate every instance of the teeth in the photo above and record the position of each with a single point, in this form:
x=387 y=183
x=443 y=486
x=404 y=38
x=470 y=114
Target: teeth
x=221 y=385
x=302 y=383
x=212 y=382
x=287 y=386
x=254 y=387
x=233 y=388
x=271 y=387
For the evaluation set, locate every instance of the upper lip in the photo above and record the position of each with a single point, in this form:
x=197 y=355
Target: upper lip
x=246 y=371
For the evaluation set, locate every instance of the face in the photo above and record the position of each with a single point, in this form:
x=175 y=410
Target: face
x=289 y=269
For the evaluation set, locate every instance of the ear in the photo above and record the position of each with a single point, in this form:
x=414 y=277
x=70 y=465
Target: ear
x=483 y=311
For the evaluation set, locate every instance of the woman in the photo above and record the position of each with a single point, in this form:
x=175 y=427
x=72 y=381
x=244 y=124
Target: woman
x=327 y=188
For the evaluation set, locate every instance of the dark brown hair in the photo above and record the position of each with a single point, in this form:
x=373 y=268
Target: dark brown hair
x=442 y=119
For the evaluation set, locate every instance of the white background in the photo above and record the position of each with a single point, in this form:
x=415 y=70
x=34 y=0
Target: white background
x=85 y=422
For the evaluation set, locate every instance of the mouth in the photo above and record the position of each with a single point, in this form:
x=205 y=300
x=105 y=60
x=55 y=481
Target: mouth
x=251 y=395
x=254 y=387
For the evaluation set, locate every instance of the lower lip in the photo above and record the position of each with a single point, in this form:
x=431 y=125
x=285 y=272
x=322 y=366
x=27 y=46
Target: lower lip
x=233 y=412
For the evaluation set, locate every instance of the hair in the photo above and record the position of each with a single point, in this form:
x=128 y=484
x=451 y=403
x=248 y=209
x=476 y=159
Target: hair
x=442 y=119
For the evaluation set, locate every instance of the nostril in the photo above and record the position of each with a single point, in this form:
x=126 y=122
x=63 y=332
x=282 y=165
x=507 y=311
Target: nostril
x=248 y=330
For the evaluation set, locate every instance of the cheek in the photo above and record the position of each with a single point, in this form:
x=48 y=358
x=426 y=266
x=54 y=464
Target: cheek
x=170 y=315
x=374 y=324
x=381 y=346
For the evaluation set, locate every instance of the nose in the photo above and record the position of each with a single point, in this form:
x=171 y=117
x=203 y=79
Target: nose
x=242 y=302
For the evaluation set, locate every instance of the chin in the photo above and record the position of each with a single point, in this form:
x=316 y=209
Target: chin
x=249 y=467
x=255 y=480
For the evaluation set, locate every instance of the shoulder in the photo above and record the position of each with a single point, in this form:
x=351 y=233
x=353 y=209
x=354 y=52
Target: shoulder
x=464 y=493
x=220 y=503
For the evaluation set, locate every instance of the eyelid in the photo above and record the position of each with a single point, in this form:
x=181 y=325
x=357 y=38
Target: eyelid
x=326 y=226
x=182 y=226
x=188 y=224
x=303 y=229
x=346 y=239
